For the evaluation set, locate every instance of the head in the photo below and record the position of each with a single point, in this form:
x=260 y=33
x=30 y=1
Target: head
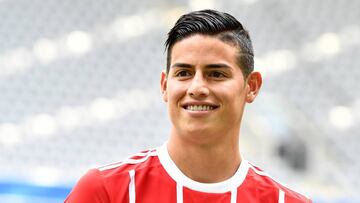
x=216 y=24
x=209 y=76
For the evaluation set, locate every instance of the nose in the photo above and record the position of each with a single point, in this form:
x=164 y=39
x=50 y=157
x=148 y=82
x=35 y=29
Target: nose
x=198 y=87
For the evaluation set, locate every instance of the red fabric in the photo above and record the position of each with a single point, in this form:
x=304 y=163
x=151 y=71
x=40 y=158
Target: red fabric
x=154 y=185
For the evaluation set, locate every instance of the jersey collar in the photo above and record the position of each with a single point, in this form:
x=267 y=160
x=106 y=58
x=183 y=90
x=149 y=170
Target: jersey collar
x=181 y=179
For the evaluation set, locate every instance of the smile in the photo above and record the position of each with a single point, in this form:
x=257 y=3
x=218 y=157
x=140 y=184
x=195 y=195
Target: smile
x=199 y=107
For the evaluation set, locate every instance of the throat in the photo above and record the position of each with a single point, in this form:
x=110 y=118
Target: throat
x=206 y=165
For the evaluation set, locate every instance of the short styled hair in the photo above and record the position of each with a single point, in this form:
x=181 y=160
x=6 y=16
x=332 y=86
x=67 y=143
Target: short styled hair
x=221 y=25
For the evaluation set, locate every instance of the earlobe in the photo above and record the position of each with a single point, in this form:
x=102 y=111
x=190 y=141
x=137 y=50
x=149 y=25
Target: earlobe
x=254 y=83
x=163 y=85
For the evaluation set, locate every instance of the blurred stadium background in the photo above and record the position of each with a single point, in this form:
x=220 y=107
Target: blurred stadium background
x=79 y=86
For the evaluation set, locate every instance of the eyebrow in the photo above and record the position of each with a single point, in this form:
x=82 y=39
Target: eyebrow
x=182 y=65
x=209 y=66
x=217 y=65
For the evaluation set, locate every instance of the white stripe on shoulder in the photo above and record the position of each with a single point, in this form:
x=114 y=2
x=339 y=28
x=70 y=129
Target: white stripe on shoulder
x=262 y=173
x=281 y=196
x=143 y=153
x=132 y=192
x=130 y=160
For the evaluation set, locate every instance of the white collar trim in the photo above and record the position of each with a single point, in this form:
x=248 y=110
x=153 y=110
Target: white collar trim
x=221 y=187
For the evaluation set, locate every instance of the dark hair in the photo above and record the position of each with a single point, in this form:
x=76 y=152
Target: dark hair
x=218 y=24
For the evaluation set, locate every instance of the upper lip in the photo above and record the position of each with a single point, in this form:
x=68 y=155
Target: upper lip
x=197 y=103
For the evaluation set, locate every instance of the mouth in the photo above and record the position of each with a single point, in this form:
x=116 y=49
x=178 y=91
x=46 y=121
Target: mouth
x=204 y=107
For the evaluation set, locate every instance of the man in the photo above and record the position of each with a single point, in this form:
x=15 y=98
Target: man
x=208 y=80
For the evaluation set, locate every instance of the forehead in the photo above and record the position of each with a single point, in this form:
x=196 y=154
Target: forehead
x=203 y=49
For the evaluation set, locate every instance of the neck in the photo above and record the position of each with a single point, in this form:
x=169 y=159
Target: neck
x=206 y=163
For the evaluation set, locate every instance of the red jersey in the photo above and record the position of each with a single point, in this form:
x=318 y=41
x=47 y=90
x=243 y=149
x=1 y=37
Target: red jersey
x=152 y=177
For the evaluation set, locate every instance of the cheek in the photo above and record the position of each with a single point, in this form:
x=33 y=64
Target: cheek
x=175 y=92
x=232 y=90
x=234 y=95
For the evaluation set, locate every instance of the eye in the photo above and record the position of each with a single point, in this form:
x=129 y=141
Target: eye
x=182 y=73
x=216 y=74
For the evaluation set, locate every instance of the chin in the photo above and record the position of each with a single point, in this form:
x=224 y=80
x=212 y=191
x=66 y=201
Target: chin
x=200 y=131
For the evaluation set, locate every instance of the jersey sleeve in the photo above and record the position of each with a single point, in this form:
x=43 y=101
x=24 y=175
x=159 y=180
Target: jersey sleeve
x=89 y=189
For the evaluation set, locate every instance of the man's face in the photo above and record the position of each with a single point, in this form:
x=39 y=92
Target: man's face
x=205 y=89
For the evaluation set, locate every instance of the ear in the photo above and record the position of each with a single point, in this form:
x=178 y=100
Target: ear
x=254 y=82
x=163 y=85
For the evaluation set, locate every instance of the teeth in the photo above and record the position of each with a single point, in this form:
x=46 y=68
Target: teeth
x=199 y=108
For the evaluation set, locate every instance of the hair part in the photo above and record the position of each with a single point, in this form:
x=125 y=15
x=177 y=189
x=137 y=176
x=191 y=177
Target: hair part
x=217 y=24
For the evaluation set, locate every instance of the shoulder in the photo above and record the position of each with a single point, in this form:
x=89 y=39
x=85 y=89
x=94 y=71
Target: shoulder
x=112 y=180
x=266 y=183
x=89 y=189
x=138 y=161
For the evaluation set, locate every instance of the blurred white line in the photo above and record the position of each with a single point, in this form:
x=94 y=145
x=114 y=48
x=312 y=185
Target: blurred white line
x=79 y=42
x=97 y=112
